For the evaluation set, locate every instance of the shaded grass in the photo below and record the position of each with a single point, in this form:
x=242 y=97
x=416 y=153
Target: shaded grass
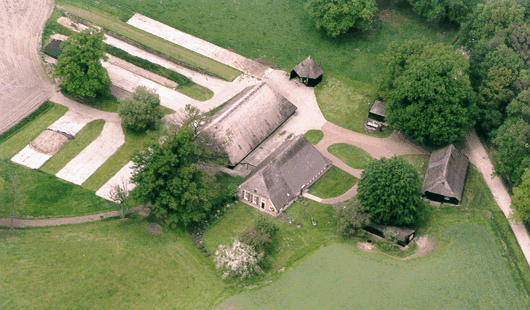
x=107 y=103
x=43 y=195
x=134 y=142
x=82 y=139
x=314 y=136
x=333 y=183
x=109 y=264
x=185 y=85
x=177 y=52
x=353 y=156
x=420 y=162
x=30 y=128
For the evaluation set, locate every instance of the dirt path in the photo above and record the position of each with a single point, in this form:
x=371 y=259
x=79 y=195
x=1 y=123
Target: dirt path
x=5 y=222
x=197 y=45
x=24 y=84
x=479 y=157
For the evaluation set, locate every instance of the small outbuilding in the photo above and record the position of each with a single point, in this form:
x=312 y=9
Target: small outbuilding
x=445 y=175
x=377 y=111
x=404 y=235
x=308 y=71
x=280 y=178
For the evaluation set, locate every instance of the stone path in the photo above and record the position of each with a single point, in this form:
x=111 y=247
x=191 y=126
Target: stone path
x=197 y=45
x=122 y=178
x=479 y=157
x=24 y=83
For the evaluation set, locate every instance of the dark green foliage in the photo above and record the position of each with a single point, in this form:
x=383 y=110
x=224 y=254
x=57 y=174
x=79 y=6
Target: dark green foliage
x=338 y=16
x=521 y=198
x=520 y=106
x=141 y=111
x=437 y=11
x=261 y=235
x=513 y=149
x=170 y=176
x=428 y=92
x=147 y=65
x=490 y=17
x=80 y=64
x=389 y=190
x=351 y=218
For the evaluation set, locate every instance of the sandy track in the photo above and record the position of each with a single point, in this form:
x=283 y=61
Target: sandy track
x=31 y=158
x=197 y=45
x=24 y=83
x=122 y=179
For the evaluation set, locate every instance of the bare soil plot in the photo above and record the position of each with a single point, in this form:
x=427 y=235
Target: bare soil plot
x=25 y=84
x=31 y=158
x=198 y=45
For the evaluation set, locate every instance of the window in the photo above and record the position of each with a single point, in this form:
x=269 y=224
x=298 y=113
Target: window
x=262 y=204
x=246 y=195
x=256 y=199
x=272 y=209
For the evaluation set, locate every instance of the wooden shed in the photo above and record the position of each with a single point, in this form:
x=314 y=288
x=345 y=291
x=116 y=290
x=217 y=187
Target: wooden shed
x=445 y=175
x=377 y=111
x=308 y=71
x=404 y=235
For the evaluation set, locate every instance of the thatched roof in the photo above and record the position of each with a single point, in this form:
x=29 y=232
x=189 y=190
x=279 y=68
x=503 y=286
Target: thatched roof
x=249 y=118
x=446 y=173
x=378 y=108
x=295 y=165
x=308 y=69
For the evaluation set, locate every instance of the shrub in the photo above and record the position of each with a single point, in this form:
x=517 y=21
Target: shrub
x=239 y=260
x=142 y=111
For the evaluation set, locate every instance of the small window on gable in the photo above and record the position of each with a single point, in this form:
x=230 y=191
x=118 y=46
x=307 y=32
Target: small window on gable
x=255 y=199
x=272 y=209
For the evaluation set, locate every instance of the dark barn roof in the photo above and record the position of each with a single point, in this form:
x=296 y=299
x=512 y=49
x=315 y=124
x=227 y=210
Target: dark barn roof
x=403 y=234
x=378 y=108
x=249 y=118
x=446 y=173
x=308 y=69
x=295 y=165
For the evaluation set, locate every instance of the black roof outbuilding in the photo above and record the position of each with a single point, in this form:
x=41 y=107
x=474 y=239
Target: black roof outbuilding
x=308 y=71
x=377 y=111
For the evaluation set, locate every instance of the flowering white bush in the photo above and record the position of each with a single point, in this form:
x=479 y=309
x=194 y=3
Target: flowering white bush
x=239 y=260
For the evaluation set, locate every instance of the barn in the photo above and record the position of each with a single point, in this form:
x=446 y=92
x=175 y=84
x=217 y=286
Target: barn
x=308 y=71
x=377 y=111
x=445 y=175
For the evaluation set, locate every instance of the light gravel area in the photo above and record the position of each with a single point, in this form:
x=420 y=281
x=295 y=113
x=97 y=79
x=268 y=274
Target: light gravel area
x=24 y=83
x=79 y=169
x=197 y=45
x=122 y=179
x=31 y=158
x=71 y=122
x=140 y=71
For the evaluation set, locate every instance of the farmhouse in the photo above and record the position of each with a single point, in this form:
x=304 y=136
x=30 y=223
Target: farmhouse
x=281 y=177
x=248 y=119
x=445 y=175
x=377 y=111
x=308 y=71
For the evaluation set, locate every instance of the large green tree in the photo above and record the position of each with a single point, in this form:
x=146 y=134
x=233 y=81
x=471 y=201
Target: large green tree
x=428 y=91
x=172 y=176
x=338 y=16
x=389 y=190
x=80 y=64
x=437 y=11
x=142 y=110
x=513 y=149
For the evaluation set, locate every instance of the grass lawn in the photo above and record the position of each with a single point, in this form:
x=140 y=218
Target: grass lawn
x=82 y=139
x=109 y=264
x=353 y=156
x=44 y=195
x=114 y=24
x=333 y=183
x=17 y=139
x=420 y=162
x=314 y=136
x=133 y=143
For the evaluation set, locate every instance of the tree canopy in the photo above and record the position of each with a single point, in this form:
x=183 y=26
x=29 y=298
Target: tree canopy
x=521 y=198
x=351 y=218
x=428 y=91
x=338 y=16
x=172 y=176
x=389 y=190
x=141 y=111
x=437 y=11
x=513 y=149
x=80 y=64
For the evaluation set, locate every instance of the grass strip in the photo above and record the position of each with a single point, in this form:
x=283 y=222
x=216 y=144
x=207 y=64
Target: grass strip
x=352 y=156
x=45 y=107
x=333 y=183
x=133 y=144
x=30 y=129
x=44 y=195
x=52 y=26
x=186 y=86
x=82 y=139
x=314 y=136
x=180 y=54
